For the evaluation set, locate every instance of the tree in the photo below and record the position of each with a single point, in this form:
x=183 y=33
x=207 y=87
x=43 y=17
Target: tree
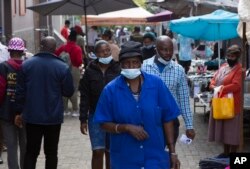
x=140 y=3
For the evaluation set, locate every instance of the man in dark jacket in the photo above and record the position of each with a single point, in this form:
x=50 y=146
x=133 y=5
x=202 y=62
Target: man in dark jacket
x=43 y=80
x=98 y=73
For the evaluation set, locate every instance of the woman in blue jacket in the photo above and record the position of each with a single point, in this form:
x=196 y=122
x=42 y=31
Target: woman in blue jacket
x=138 y=110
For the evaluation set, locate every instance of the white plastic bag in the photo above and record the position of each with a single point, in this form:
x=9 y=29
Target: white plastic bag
x=243 y=10
x=216 y=91
x=244 y=14
x=240 y=30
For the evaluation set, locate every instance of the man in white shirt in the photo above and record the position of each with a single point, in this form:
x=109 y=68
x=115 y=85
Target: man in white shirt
x=186 y=46
x=175 y=56
x=4 y=53
x=92 y=37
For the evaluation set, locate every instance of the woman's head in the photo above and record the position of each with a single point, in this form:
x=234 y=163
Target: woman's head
x=233 y=54
x=103 y=52
x=16 y=47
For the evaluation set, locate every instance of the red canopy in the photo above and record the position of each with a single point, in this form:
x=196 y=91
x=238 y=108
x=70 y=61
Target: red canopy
x=160 y=17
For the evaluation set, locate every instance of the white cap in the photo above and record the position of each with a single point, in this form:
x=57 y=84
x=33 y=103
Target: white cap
x=147 y=29
x=125 y=29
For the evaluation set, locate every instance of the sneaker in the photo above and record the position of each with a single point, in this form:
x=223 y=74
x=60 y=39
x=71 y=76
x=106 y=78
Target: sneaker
x=75 y=114
x=1 y=160
x=67 y=113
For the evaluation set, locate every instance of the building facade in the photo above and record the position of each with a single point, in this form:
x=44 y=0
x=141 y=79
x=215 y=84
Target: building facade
x=16 y=20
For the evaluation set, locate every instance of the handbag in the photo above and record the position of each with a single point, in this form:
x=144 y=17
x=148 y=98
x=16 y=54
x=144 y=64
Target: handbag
x=223 y=107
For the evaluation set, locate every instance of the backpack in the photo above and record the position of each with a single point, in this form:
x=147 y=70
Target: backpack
x=65 y=56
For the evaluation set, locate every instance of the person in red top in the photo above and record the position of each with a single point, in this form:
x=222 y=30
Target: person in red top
x=65 y=30
x=229 y=78
x=75 y=53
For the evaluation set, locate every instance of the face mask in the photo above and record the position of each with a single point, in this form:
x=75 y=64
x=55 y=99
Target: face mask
x=163 y=61
x=106 y=60
x=231 y=62
x=131 y=73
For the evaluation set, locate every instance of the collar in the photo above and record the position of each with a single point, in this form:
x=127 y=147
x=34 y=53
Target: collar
x=15 y=63
x=47 y=54
x=153 y=62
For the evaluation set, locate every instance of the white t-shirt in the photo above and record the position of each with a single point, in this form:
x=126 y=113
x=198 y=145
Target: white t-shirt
x=175 y=45
x=92 y=36
x=185 y=52
x=4 y=53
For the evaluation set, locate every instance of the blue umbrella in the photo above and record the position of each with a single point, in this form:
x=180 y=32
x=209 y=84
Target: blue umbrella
x=218 y=25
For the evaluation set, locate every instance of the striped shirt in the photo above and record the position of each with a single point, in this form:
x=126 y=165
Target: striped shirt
x=174 y=77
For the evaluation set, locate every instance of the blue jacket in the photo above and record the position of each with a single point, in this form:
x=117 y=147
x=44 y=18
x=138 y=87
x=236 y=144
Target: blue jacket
x=155 y=106
x=43 y=81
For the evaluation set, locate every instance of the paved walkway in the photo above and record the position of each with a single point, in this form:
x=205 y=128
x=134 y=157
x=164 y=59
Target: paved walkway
x=75 y=153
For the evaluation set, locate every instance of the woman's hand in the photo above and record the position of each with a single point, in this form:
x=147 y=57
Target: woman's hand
x=137 y=131
x=84 y=128
x=175 y=163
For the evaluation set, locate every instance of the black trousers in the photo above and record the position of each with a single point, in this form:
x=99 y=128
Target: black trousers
x=35 y=133
x=185 y=64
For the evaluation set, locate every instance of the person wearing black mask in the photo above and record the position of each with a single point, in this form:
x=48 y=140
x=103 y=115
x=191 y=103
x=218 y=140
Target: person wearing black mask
x=228 y=79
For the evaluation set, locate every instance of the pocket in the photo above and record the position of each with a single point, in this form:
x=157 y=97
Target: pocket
x=158 y=116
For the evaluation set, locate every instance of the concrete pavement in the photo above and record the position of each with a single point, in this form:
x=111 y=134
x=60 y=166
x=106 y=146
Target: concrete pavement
x=75 y=152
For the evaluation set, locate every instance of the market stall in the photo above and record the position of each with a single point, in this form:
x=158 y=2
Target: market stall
x=216 y=26
x=133 y=16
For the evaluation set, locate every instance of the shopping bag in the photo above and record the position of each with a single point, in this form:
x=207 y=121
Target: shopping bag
x=223 y=108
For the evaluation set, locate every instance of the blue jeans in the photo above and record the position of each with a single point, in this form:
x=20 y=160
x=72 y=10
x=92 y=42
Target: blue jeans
x=13 y=137
x=98 y=137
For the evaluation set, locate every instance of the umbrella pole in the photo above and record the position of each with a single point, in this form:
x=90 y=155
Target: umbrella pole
x=86 y=27
x=219 y=54
x=244 y=40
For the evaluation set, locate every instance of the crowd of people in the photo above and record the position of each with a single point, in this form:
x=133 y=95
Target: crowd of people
x=131 y=94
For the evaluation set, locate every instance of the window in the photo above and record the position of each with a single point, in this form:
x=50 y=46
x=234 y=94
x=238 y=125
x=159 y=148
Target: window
x=13 y=3
x=22 y=7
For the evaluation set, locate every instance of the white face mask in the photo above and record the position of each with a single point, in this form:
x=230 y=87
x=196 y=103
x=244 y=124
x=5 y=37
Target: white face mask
x=163 y=61
x=106 y=60
x=131 y=73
